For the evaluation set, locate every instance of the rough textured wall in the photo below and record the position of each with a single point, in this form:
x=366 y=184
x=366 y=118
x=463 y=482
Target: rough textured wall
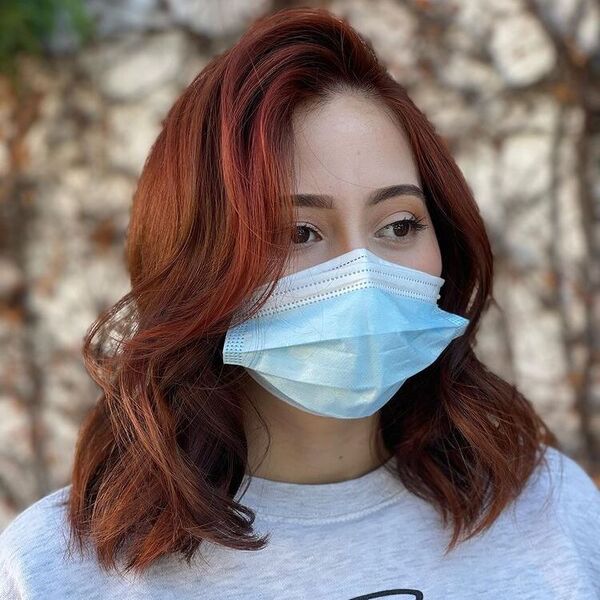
x=512 y=85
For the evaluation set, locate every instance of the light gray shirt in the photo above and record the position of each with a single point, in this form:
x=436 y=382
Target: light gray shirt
x=362 y=538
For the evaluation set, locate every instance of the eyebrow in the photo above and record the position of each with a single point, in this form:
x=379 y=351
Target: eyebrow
x=326 y=201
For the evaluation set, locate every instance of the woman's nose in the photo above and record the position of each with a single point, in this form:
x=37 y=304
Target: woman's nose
x=350 y=240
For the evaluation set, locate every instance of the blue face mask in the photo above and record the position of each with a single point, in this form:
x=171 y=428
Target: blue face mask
x=340 y=338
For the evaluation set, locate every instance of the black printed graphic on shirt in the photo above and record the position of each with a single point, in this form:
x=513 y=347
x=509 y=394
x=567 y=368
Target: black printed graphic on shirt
x=404 y=593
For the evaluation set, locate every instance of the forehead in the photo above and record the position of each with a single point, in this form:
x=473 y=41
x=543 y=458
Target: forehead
x=349 y=145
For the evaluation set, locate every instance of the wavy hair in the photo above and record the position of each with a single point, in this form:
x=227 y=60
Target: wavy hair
x=162 y=454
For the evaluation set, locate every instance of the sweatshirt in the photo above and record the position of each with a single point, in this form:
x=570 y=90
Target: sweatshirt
x=362 y=538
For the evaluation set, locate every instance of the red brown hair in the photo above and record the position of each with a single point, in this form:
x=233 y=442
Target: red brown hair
x=162 y=454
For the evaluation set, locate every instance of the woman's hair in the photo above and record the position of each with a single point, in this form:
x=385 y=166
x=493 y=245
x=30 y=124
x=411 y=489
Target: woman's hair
x=162 y=454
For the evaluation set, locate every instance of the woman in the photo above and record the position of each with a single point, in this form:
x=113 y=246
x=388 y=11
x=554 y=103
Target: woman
x=294 y=408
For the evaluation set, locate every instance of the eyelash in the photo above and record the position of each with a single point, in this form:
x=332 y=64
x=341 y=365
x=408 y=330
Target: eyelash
x=414 y=224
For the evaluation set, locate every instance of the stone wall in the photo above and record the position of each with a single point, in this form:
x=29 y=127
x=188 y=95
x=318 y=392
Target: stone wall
x=512 y=85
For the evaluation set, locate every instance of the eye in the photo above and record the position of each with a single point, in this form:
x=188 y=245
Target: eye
x=404 y=227
x=302 y=231
x=399 y=229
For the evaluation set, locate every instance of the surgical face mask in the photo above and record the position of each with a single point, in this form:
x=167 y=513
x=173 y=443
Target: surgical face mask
x=339 y=339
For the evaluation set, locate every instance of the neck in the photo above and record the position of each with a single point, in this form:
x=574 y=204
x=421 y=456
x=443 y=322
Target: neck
x=307 y=448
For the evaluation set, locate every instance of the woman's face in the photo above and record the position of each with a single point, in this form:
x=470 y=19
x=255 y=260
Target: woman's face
x=345 y=154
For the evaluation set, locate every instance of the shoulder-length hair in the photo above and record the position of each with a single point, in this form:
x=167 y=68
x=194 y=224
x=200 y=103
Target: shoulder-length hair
x=161 y=456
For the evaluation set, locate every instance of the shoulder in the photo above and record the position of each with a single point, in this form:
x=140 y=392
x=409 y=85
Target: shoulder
x=561 y=495
x=568 y=485
x=37 y=524
x=34 y=535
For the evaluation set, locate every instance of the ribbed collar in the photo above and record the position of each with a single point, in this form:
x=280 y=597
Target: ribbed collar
x=279 y=500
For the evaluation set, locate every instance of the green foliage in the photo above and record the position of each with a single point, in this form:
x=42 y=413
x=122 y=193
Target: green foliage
x=27 y=25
